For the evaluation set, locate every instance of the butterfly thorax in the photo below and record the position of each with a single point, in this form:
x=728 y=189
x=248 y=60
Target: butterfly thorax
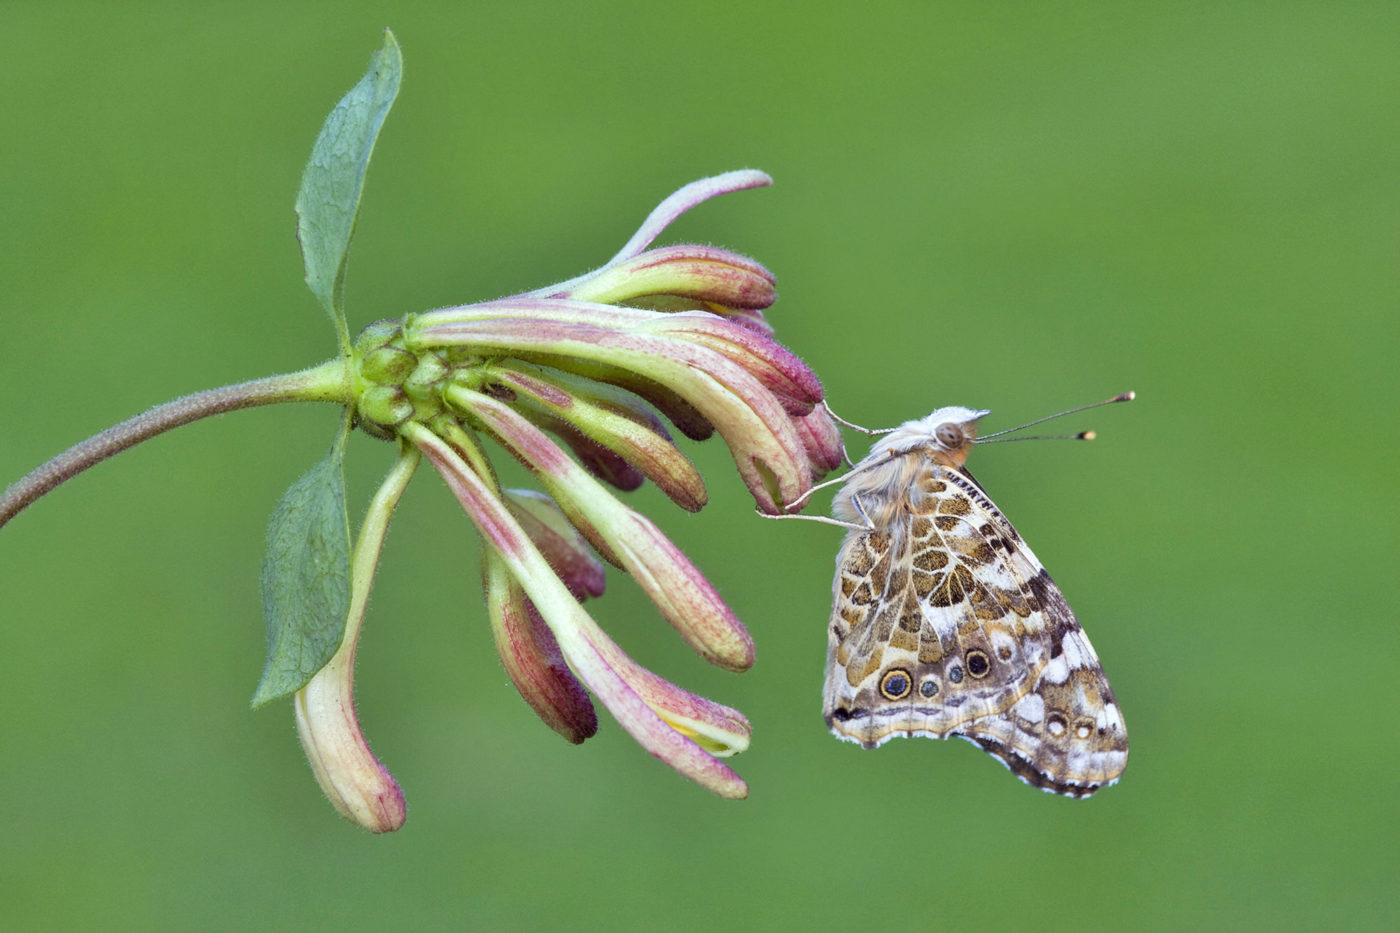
x=887 y=481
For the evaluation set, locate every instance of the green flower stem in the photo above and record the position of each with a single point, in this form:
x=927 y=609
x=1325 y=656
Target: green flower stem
x=469 y=450
x=329 y=382
x=371 y=540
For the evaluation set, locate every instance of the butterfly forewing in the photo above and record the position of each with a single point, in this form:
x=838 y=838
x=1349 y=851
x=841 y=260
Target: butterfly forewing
x=935 y=623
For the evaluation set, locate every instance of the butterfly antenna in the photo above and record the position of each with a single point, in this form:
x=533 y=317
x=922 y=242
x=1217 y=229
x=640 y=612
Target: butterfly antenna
x=1082 y=436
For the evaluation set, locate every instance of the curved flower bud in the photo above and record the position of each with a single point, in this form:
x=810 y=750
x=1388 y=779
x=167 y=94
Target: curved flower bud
x=777 y=369
x=357 y=785
x=701 y=273
x=825 y=449
x=532 y=657
x=644 y=445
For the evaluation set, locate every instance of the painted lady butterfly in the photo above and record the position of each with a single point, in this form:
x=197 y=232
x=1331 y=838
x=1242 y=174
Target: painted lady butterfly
x=944 y=623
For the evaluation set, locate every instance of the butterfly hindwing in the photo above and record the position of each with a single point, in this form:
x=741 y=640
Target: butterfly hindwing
x=1067 y=735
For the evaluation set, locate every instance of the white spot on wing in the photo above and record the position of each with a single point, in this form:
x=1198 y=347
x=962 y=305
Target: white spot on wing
x=1031 y=708
x=1056 y=672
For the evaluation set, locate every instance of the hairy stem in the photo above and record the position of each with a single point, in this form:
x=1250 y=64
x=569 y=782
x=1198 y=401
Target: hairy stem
x=328 y=382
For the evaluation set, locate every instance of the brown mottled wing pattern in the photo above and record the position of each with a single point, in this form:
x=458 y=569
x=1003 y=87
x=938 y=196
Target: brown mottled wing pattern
x=944 y=623
x=935 y=622
x=1067 y=735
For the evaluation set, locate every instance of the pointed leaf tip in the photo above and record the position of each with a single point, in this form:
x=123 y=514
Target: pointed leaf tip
x=329 y=198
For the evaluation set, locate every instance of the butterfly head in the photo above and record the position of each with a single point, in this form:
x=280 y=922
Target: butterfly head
x=949 y=433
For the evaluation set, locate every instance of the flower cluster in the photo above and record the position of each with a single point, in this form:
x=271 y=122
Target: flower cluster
x=570 y=379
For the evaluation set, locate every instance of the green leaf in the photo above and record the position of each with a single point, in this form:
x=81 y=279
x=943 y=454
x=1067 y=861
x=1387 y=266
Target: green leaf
x=306 y=578
x=329 y=199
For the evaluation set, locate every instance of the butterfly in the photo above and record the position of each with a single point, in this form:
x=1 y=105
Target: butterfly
x=944 y=623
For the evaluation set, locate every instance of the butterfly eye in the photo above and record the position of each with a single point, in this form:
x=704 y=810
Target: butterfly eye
x=949 y=435
x=895 y=685
x=955 y=674
x=977 y=664
x=928 y=688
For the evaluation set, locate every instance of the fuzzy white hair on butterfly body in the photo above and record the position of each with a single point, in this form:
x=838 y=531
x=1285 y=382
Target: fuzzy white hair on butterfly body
x=922 y=431
x=874 y=487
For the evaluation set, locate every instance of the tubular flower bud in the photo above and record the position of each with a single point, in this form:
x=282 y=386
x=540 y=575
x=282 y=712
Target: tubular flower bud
x=641 y=442
x=702 y=274
x=532 y=657
x=821 y=437
x=353 y=780
x=357 y=785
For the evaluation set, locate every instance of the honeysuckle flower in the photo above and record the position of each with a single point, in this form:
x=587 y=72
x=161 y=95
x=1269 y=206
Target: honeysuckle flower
x=582 y=382
x=572 y=380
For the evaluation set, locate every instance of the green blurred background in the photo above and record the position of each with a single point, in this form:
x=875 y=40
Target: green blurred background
x=1016 y=207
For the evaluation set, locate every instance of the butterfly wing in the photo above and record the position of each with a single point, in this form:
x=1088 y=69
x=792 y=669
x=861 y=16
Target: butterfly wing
x=944 y=623
x=1067 y=735
x=936 y=621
